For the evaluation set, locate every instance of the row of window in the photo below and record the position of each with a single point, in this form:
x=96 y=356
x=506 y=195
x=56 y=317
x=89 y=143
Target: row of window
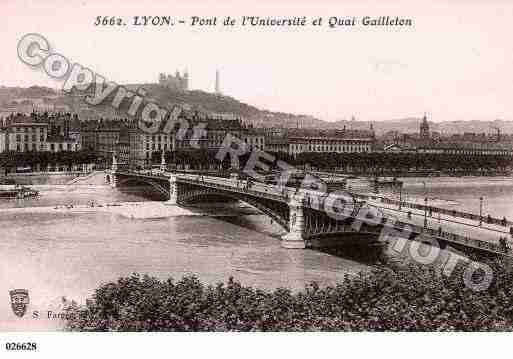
x=28 y=129
x=217 y=138
x=158 y=138
x=335 y=142
x=159 y=147
x=53 y=147
x=469 y=152
x=19 y=138
x=254 y=140
x=63 y=147
x=332 y=148
x=26 y=147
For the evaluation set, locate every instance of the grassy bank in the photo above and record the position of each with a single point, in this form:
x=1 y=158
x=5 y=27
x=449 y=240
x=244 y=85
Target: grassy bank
x=397 y=298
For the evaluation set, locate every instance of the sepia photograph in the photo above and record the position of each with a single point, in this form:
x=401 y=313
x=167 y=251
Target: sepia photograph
x=319 y=170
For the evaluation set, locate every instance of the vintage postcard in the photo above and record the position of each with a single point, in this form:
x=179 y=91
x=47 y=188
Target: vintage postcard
x=259 y=166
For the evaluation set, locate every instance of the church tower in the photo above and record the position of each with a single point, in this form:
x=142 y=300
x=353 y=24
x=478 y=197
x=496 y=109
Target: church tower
x=185 y=81
x=424 y=128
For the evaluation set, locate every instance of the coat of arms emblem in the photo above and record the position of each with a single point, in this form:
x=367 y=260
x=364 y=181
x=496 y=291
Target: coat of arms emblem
x=19 y=301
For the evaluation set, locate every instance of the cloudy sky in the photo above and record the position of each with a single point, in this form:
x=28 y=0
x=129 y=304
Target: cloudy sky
x=455 y=63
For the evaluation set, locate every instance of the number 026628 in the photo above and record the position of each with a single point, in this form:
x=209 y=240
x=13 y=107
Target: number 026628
x=20 y=346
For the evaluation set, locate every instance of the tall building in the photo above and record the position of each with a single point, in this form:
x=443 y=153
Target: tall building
x=218 y=83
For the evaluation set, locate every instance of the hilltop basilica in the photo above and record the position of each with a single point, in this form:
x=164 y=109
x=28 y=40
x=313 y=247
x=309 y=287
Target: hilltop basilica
x=177 y=82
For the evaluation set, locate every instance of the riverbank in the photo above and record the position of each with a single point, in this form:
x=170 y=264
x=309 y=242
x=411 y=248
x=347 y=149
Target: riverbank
x=43 y=178
x=55 y=178
x=138 y=210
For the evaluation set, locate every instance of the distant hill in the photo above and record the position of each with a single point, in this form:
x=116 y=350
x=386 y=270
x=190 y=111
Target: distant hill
x=411 y=125
x=474 y=126
x=8 y=94
x=225 y=104
x=205 y=100
x=260 y=117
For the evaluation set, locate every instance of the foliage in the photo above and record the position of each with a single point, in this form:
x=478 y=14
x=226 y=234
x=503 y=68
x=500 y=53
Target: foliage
x=374 y=163
x=393 y=298
x=381 y=163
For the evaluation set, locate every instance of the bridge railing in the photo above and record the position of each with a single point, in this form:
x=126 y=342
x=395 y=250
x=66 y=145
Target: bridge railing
x=320 y=201
x=456 y=238
x=322 y=197
x=231 y=188
x=449 y=212
x=437 y=233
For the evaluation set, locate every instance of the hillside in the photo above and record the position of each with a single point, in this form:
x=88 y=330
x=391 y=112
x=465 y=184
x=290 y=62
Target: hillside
x=260 y=117
x=224 y=104
x=8 y=94
x=411 y=125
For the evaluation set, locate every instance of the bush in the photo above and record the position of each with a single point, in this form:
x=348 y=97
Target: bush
x=398 y=298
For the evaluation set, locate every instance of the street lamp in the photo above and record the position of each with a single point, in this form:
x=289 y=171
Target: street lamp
x=163 y=166
x=480 y=210
x=425 y=212
x=400 y=196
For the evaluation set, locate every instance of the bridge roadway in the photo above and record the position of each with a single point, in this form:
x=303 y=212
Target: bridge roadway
x=302 y=225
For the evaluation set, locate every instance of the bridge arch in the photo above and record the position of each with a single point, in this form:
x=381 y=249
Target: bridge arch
x=156 y=186
x=195 y=196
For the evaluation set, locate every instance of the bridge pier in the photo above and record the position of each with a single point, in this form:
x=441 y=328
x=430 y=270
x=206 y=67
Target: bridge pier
x=173 y=190
x=112 y=175
x=295 y=239
x=111 y=178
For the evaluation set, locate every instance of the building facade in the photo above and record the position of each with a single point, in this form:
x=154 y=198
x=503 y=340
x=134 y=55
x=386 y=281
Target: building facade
x=295 y=142
x=107 y=137
x=62 y=144
x=23 y=133
x=254 y=138
x=203 y=132
x=37 y=132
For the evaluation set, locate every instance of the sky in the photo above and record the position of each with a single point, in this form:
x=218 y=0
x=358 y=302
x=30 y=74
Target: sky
x=454 y=63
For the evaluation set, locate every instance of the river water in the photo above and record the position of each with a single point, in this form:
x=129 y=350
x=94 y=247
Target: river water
x=55 y=253
x=463 y=193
